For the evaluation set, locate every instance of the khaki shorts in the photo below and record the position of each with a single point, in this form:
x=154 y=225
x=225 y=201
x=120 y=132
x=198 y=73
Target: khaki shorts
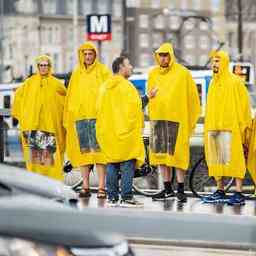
x=219 y=147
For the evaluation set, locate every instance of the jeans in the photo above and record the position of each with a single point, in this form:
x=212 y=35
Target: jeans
x=126 y=170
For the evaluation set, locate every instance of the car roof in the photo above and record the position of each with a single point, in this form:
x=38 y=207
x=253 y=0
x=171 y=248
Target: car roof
x=46 y=221
x=33 y=183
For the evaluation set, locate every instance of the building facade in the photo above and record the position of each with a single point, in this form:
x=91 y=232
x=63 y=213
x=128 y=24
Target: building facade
x=193 y=26
x=34 y=27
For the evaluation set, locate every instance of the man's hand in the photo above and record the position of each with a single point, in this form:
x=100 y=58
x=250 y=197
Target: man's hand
x=246 y=150
x=152 y=93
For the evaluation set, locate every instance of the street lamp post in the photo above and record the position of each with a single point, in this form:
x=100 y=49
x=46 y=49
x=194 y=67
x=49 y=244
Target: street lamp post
x=125 y=30
x=75 y=28
x=1 y=40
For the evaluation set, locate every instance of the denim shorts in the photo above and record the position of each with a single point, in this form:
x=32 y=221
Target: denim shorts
x=86 y=132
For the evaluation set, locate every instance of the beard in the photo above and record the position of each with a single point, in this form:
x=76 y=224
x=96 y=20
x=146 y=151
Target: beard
x=215 y=70
x=165 y=65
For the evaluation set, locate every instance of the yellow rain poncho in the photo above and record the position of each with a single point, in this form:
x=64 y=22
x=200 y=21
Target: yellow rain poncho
x=173 y=112
x=251 y=142
x=38 y=106
x=82 y=95
x=228 y=115
x=119 y=121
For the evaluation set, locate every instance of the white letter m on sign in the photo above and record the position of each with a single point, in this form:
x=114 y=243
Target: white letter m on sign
x=99 y=24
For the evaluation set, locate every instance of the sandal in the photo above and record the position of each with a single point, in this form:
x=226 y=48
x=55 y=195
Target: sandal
x=101 y=193
x=85 y=193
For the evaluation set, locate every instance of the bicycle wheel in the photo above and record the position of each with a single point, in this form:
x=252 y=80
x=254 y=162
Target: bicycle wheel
x=199 y=181
x=151 y=183
x=72 y=177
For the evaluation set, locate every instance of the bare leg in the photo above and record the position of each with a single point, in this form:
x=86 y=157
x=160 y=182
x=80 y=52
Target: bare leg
x=166 y=172
x=101 y=170
x=220 y=184
x=85 y=171
x=239 y=185
x=180 y=175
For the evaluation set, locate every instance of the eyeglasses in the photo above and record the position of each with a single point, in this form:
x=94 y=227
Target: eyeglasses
x=43 y=65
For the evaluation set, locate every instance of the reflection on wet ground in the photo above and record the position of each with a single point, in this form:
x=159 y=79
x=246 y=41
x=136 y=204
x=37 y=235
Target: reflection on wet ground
x=194 y=205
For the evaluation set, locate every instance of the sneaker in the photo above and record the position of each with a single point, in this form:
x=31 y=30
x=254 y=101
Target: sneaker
x=163 y=195
x=236 y=199
x=131 y=203
x=217 y=197
x=112 y=202
x=181 y=197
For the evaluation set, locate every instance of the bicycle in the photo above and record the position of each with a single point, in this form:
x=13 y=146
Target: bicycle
x=145 y=182
x=200 y=183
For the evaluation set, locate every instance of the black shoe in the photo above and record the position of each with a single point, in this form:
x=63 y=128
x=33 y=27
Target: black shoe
x=163 y=195
x=131 y=203
x=181 y=197
x=112 y=202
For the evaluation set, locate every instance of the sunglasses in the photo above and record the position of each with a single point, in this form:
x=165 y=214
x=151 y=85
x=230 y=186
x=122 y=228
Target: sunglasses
x=43 y=65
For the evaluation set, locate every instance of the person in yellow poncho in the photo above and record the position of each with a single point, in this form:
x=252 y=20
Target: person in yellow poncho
x=228 y=116
x=173 y=114
x=80 y=117
x=118 y=128
x=38 y=106
x=250 y=140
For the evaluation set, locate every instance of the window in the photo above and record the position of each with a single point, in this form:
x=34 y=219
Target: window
x=189 y=42
x=50 y=35
x=56 y=62
x=189 y=24
x=57 y=34
x=26 y=6
x=174 y=22
x=157 y=39
x=183 y=4
x=203 y=25
x=231 y=39
x=49 y=6
x=86 y=7
x=69 y=61
x=144 y=40
x=215 y=5
x=196 y=4
x=70 y=34
x=103 y=6
x=133 y=3
x=155 y=3
x=143 y=21
x=116 y=33
x=117 y=9
x=172 y=37
x=204 y=42
x=70 y=7
x=159 y=21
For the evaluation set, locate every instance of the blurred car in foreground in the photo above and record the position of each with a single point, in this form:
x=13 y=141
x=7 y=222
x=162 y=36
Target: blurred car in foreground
x=35 y=226
x=15 y=180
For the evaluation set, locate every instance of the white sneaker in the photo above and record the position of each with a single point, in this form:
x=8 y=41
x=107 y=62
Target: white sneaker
x=131 y=203
x=112 y=203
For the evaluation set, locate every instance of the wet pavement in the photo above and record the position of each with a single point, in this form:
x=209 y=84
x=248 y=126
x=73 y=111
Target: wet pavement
x=143 y=250
x=193 y=206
